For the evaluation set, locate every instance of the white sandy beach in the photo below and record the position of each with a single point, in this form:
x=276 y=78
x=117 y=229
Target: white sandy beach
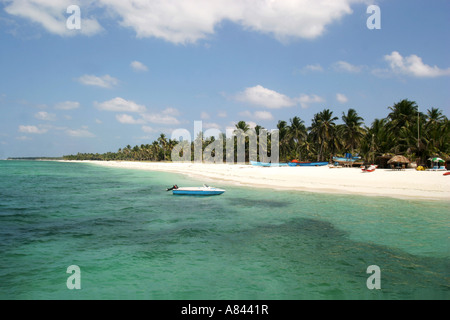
x=429 y=185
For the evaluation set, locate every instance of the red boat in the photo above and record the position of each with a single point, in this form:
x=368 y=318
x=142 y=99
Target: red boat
x=447 y=174
x=371 y=168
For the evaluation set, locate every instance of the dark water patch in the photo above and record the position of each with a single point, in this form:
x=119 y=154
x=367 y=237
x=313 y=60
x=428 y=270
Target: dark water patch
x=308 y=244
x=257 y=203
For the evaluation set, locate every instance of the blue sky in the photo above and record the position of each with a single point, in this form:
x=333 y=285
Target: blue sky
x=136 y=69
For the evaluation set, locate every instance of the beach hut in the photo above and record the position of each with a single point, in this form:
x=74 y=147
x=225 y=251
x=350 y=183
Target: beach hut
x=382 y=161
x=399 y=161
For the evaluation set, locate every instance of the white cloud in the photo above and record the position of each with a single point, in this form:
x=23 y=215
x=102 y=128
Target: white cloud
x=127 y=119
x=120 y=105
x=52 y=15
x=204 y=116
x=270 y=99
x=181 y=21
x=257 y=115
x=22 y=138
x=222 y=114
x=347 y=67
x=42 y=115
x=261 y=96
x=171 y=112
x=105 y=81
x=32 y=129
x=138 y=66
x=167 y=116
x=263 y=115
x=211 y=125
x=413 y=65
x=341 y=98
x=312 y=68
x=148 y=129
x=67 y=105
x=80 y=133
x=160 y=118
x=306 y=100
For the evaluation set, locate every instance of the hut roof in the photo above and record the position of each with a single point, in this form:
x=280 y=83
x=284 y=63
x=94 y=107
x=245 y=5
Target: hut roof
x=399 y=159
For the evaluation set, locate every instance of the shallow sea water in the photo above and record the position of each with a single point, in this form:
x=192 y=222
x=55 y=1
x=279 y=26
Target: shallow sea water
x=133 y=240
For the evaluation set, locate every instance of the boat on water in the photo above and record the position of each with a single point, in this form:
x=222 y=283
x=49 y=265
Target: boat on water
x=196 y=191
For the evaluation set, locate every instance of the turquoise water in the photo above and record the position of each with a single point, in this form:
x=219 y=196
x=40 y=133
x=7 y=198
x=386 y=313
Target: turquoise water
x=133 y=240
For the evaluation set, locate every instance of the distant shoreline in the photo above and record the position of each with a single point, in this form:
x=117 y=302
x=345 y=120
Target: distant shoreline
x=407 y=184
x=34 y=158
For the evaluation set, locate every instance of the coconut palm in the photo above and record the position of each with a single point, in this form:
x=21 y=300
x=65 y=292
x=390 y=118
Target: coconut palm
x=242 y=125
x=297 y=133
x=283 y=138
x=352 y=131
x=323 y=131
x=163 y=143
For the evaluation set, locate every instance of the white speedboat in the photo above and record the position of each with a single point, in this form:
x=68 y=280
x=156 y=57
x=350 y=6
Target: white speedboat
x=196 y=191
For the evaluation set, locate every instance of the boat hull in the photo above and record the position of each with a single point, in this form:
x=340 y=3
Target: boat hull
x=312 y=164
x=200 y=191
x=267 y=164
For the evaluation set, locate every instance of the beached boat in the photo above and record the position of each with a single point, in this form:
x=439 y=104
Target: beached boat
x=341 y=159
x=196 y=191
x=348 y=161
x=370 y=168
x=312 y=164
x=267 y=164
x=307 y=164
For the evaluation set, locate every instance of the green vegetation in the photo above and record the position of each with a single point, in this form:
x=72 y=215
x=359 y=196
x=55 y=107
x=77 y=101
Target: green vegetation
x=404 y=131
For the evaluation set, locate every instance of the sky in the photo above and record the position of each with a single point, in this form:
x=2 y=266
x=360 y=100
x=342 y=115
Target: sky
x=95 y=76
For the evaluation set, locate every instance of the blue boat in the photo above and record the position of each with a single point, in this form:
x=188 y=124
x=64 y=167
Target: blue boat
x=267 y=164
x=312 y=164
x=196 y=191
x=348 y=158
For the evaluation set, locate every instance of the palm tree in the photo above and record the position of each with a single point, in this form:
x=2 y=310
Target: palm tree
x=323 y=131
x=403 y=114
x=352 y=131
x=436 y=131
x=155 y=151
x=283 y=138
x=242 y=125
x=163 y=143
x=297 y=133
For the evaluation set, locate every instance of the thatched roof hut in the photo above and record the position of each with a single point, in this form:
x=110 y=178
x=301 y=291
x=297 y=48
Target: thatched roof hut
x=398 y=159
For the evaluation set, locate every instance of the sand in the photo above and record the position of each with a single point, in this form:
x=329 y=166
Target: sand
x=406 y=184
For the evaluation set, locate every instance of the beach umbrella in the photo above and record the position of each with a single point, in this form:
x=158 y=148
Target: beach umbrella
x=436 y=159
x=398 y=159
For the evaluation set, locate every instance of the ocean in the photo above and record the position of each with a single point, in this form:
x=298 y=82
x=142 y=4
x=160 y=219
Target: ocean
x=130 y=239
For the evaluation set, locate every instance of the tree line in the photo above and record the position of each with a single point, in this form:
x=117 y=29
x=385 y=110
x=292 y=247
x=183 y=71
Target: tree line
x=405 y=131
